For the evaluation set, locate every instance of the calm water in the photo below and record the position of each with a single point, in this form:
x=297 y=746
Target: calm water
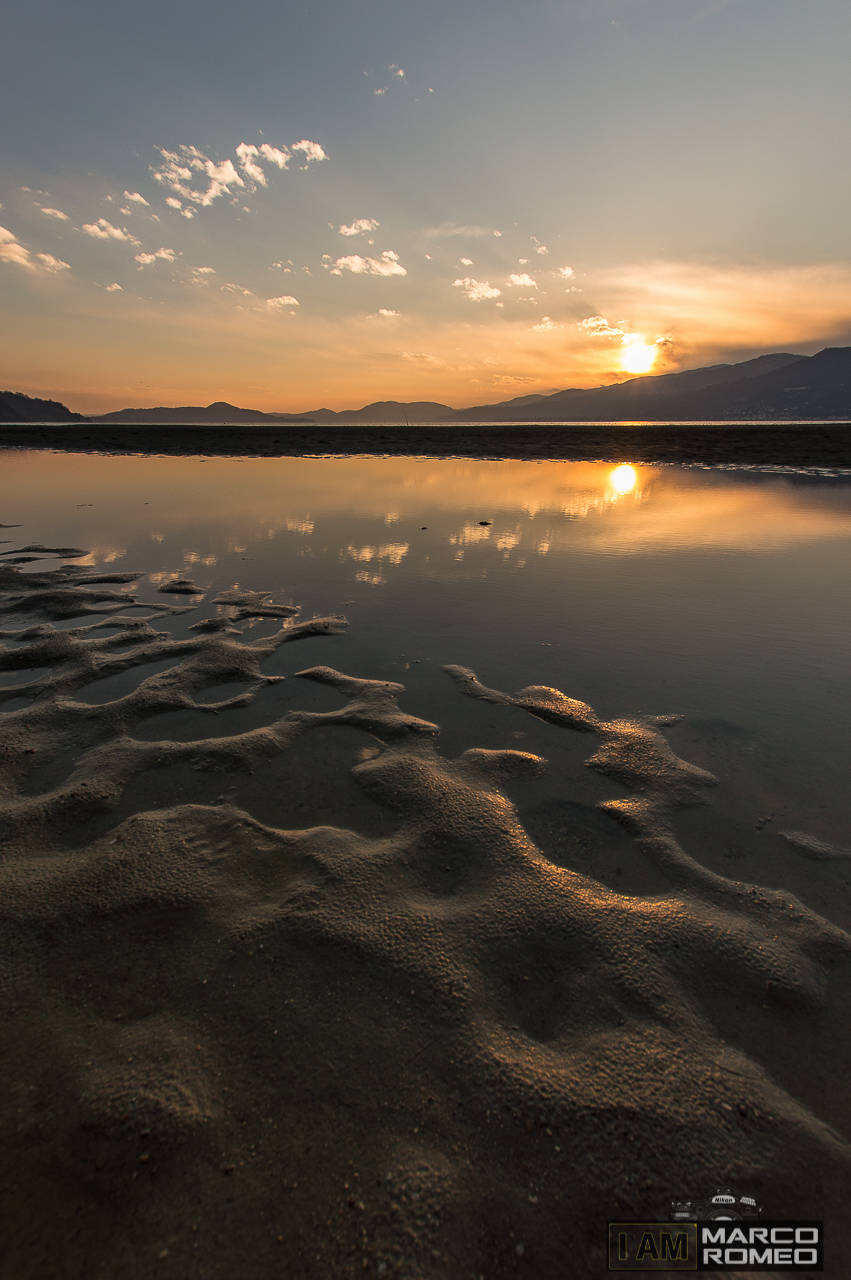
x=720 y=595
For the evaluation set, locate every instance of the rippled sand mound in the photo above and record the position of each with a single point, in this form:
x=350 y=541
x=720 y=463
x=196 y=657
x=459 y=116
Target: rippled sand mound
x=305 y=998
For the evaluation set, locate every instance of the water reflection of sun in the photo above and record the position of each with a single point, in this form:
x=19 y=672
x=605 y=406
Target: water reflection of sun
x=623 y=479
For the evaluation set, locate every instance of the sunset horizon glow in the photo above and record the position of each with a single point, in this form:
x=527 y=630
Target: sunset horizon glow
x=356 y=210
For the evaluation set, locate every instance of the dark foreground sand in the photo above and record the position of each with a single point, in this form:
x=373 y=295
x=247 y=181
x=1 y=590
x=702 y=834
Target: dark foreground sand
x=380 y=1030
x=787 y=444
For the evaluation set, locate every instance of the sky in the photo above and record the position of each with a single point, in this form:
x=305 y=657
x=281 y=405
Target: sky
x=297 y=205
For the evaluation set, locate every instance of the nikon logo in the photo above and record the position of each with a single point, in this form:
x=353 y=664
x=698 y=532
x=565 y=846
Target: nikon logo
x=716 y=1246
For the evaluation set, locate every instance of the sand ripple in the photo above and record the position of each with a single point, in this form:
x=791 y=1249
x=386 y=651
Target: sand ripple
x=410 y=1044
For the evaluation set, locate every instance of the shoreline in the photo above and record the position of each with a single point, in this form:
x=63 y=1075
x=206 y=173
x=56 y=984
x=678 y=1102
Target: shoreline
x=780 y=444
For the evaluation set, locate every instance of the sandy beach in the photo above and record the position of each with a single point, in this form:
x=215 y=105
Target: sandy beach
x=756 y=444
x=291 y=989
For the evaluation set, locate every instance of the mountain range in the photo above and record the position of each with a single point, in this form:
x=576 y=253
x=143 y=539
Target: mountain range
x=780 y=385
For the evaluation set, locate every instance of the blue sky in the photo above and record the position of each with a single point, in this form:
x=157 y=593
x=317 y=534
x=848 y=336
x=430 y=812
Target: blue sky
x=294 y=205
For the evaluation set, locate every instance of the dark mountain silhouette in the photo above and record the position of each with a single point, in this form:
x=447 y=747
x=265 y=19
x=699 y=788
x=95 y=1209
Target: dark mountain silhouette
x=667 y=395
x=218 y=413
x=388 y=412
x=15 y=407
x=776 y=386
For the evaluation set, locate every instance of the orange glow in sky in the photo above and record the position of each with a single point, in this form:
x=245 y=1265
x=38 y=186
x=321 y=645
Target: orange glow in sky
x=638 y=356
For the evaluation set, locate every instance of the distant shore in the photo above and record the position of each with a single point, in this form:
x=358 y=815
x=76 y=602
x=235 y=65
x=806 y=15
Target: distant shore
x=780 y=444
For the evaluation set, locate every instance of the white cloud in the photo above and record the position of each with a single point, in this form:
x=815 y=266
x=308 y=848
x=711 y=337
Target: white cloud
x=539 y=248
x=199 y=179
x=55 y=213
x=11 y=250
x=599 y=327
x=522 y=281
x=476 y=290
x=51 y=264
x=388 y=314
x=134 y=198
x=566 y=273
x=278 y=304
x=279 y=156
x=311 y=151
x=201 y=275
x=173 y=202
x=145 y=259
x=449 y=230
x=545 y=325
x=465 y=262
x=387 y=264
x=104 y=230
x=230 y=287
x=247 y=155
x=360 y=227
x=115 y=287
x=182 y=167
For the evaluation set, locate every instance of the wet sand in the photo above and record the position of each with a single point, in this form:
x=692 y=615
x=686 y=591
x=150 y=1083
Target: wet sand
x=763 y=444
x=312 y=998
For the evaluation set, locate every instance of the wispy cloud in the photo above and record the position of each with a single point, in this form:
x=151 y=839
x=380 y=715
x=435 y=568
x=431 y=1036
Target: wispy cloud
x=396 y=73
x=476 y=290
x=545 y=325
x=387 y=264
x=115 y=287
x=450 y=230
x=104 y=230
x=599 y=327
x=280 y=156
x=465 y=262
x=133 y=197
x=187 y=165
x=539 y=247
x=199 y=179
x=147 y=259
x=55 y=213
x=360 y=227
x=521 y=280
x=387 y=314
x=13 y=251
x=285 y=301
x=47 y=262
x=566 y=273
x=311 y=151
x=201 y=275
x=248 y=154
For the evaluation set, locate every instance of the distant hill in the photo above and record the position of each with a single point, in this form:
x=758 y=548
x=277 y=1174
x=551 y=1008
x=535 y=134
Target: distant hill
x=668 y=395
x=220 y=413
x=388 y=412
x=15 y=407
x=776 y=386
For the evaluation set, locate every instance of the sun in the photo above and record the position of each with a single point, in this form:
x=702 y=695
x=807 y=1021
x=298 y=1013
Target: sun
x=638 y=356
